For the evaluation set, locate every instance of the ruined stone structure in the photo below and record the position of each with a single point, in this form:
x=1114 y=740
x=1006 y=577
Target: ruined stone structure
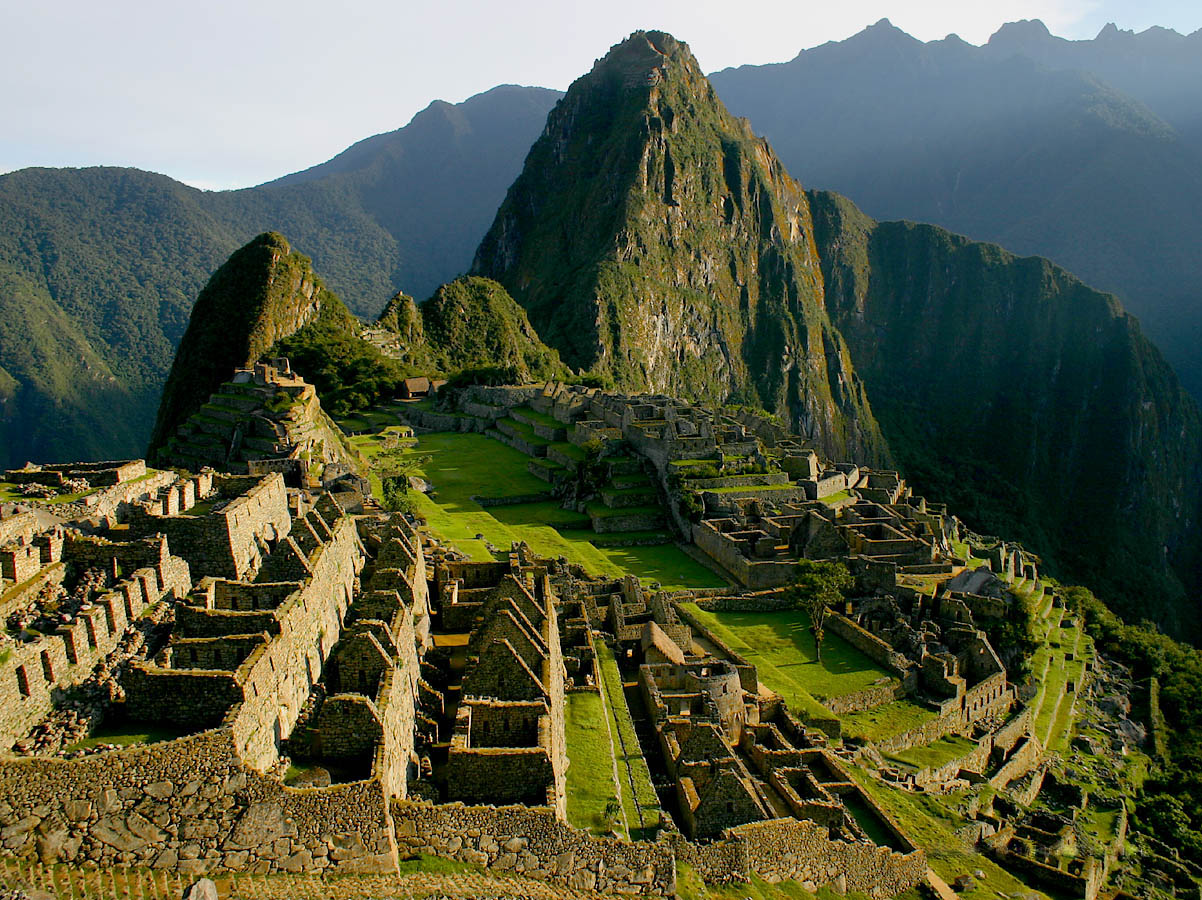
x=265 y=419
x=338 y=689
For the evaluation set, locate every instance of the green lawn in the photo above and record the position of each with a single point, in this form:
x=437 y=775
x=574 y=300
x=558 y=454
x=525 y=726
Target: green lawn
x=640 y=805
x=11 y=493
x=885 y=721
x=781 y=646
x=591 y=763
x=467 y=464
x=936 y=754
x=128 y=734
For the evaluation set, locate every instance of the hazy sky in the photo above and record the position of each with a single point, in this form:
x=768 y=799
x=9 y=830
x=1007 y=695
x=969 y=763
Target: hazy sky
x=228 y=93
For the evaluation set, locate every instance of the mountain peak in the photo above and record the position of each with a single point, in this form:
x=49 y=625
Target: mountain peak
x=264 y=292
x=882 y=34
x=643 y=58
x=655 y=241
x=1022 y=33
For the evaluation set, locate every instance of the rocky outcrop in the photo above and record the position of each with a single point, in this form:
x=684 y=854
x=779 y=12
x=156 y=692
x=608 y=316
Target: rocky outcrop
x=654 y=239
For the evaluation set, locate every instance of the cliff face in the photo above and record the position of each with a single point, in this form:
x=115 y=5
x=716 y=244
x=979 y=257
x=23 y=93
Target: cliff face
x=653 y=238
x=1027 y=400
x=260 y=295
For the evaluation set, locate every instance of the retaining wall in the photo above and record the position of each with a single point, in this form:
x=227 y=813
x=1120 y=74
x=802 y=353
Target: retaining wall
x=189 y=805
x=534 y=842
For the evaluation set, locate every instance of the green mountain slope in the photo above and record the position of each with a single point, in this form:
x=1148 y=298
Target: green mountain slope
x=653 y=238
x=473 y=323
x=1085 y=152
x=262 y=294
x=123 y=253
x=1027 y=400
x=266 y=300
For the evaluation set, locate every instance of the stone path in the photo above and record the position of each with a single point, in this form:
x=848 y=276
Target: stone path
x=939 y=886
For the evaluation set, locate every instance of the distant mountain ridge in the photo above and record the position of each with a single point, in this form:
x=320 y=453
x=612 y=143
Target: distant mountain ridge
x=99 y=267
x=1086 y=152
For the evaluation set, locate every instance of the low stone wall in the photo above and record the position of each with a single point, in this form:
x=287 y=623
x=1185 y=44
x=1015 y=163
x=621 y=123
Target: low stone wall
x=532 y=841
x=558 y=456
x=540 y=497
x=35 y=672
x=926 y=733
x=1025 y=758
x=869 y=644
x=516 y=441
x=790 y=849
x=714 y=500
x=115 y=500
x=748 y=481
x=1058 y=880
x=483 y=410
x=506 y=395
x=717 y=862
x=191 y=806
x=783 y=849
x=428 y=420
x=746 y=603
x=974 y=760
x=1018 y=727
x=751 y=573
x=629 y=522
x=869 y=698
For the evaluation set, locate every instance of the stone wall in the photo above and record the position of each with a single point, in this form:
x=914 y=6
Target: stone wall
x=975 y=760
x=1014 y=730
x=870 y=645
x=757 y=575
x=534 y=842
x=116 y=501
x=35 y=672
x=1025 y=757
x=271 y=685
x=191 y=806
x=233 y=541
x=429 y=420
x=791 y=849
x=869 y=698
x=926 y=733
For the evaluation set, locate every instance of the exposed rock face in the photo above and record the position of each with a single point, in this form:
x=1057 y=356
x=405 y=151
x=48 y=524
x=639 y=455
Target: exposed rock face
x=652 y=237
x=1027 y=400
x=262 y=294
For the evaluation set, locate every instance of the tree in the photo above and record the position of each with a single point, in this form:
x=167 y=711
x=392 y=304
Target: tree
x=817 y=587
x=395 y=467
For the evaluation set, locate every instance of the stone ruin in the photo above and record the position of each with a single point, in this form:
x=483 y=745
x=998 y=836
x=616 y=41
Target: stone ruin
x=265 y=419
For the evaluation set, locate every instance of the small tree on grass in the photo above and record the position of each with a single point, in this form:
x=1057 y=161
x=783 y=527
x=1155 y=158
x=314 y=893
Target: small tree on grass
x=816 y=587
x=395 y=467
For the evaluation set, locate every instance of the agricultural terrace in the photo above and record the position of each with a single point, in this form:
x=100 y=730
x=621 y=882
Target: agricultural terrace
x=467 y=467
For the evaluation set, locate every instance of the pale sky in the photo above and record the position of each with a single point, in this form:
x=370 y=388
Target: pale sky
x=230 y=93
